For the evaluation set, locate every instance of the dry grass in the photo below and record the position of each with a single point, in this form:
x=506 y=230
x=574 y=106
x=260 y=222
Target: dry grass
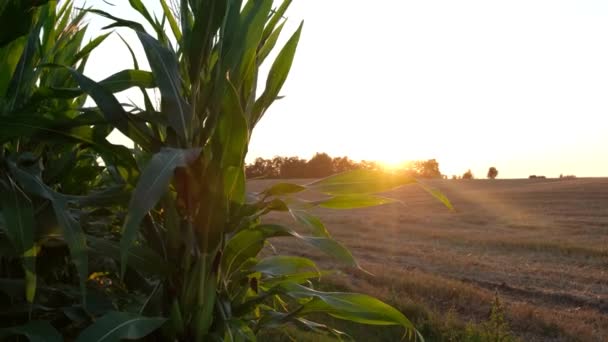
x=541 y=244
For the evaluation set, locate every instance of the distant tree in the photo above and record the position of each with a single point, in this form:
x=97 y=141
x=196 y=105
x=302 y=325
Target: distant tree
x=367 y=165
x=492 y=172
x=320 y=165
x=293 y=167
x=427 y=168
x=454 y=177
x=261 y=168
x=343 y=164
x=468 y=175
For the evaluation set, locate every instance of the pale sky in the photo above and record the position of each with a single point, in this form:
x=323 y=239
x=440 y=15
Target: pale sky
x=519 y=85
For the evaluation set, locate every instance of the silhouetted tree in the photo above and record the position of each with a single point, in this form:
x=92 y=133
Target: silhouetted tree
x=492 y=172
x=320 y=165
x=343 y=164
x=293 y=167
x=368 y=165
x=261 y=168
x=427 y=168
x=468 y=175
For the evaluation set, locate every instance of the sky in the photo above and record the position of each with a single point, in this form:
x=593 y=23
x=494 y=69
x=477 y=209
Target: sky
x=519 y=85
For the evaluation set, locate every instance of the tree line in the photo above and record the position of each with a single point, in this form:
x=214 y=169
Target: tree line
x=323 y=165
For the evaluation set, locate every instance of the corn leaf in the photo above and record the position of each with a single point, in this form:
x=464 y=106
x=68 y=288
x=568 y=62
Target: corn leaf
x=177 y=33
x=35 y=331
x=116 y=326
x=348 y=306
x=152 y=185
x=71 y=229
x=277 y=75
x=19 y=225
x=113 y=111
x=282 y=265
x=359 y=182
x=248 y=243
x=166 y=72
x=353 y=202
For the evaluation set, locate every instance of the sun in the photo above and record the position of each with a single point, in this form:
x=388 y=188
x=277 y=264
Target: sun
x=391 y=161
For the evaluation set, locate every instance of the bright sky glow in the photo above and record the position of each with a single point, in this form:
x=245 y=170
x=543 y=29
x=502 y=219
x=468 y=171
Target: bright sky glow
x=521 y=85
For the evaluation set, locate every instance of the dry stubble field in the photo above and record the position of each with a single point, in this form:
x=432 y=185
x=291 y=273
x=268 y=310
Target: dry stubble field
x=541 y=245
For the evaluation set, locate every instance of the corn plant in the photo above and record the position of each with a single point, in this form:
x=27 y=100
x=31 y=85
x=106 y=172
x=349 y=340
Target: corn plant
x=164 y=240
x=51 y=183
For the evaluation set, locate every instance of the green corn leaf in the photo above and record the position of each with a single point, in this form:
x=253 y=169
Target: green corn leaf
x=87 y=49
x=280 y=189
x=269 y=44
x=348 y=306
x=152 y=185
x=314 y=223
x=209 y=14
x=114 y=112
x=116 y=326
x=35 y=331
x=71 y=229
x=241 y=53
x=118 y=22
x=276 y=17
x=166 y=72
x=116 y=83
x=353 y=202
x=282 y=265
x=19 y=225
x=360 y=182
x=126 y=79
x=277 y=75
x=234 y=182
x=141 y=8
x=24 y=76
x=9 y=58
x=321 y=329
x=232 y=129
x=172 y=21
x=438 y=195
x=248 y=243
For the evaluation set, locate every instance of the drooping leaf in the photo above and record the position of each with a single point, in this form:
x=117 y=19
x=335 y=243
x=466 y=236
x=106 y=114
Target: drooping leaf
x=152 y=185
x=116 y=326
x=349 y=306
x=360 y=182
x=282 y=265
x=113 y=111
x=249 y=242
x=71 y=229
x=353 y=201
x=311 y=221
x=438 y=195
x=280 y=189
x=35 y=331
x=19 y=225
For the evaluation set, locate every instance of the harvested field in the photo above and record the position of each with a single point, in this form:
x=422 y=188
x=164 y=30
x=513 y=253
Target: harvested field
x=541 y=245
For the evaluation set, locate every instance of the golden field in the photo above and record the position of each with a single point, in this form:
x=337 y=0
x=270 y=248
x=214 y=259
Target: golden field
x=540 y=245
